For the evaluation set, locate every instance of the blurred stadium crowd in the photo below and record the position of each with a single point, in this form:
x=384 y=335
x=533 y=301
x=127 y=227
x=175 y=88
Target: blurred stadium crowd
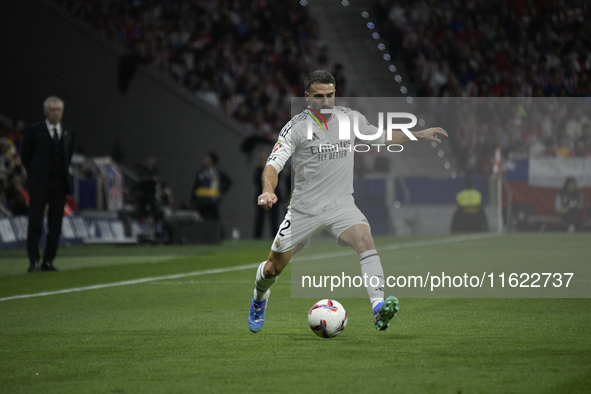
x=523 y=127
x=496 y=48
x=248 y=58
x=500 y=48
x=14 y=198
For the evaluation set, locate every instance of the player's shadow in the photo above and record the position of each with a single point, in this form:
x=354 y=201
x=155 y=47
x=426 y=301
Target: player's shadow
x=310 y=338
x=307 y=337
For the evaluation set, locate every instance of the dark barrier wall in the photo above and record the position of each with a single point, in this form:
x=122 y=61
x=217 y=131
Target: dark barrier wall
x=44 y=53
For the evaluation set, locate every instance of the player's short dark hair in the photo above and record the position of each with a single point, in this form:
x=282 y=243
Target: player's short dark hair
x=318 y=76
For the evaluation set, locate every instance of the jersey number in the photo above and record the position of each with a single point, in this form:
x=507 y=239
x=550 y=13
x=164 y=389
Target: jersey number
x=287 y=224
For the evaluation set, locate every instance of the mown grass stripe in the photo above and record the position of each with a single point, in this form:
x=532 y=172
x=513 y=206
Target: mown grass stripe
x=320 y=256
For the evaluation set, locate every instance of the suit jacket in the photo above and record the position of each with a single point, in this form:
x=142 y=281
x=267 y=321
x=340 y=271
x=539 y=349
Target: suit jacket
x=36 y=155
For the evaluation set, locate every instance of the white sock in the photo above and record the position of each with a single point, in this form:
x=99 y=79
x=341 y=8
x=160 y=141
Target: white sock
x=372 y=267
x=262 y=285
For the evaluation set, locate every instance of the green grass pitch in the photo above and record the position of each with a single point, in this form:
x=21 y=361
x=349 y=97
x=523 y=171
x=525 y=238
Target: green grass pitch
x=189 y=334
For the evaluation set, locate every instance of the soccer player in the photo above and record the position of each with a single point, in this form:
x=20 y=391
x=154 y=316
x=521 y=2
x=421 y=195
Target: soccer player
x=322 y=196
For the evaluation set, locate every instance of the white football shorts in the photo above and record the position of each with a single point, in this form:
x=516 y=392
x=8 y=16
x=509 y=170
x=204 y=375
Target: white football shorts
x=298 y=229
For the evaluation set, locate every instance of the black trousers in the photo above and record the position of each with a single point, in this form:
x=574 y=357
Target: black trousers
x=573 y=216
x=466 y=222
x=209 y=211
x=54 y=195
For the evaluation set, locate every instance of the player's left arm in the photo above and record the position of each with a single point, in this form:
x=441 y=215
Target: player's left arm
x=399 y=137
x=430 y=134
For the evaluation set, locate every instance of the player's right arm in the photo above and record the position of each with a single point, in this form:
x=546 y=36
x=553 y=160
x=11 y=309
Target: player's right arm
x=268 y=197
x=281 y=153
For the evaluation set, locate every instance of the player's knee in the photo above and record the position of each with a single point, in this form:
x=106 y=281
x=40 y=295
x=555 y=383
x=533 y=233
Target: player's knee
x=365 y=243
x=273 y=267
x=270 y=270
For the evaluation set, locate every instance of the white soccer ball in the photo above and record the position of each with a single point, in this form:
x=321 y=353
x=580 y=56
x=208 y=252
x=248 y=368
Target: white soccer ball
x=327 y=318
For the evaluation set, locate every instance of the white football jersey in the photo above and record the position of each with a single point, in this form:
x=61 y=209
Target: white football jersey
x=323 y=166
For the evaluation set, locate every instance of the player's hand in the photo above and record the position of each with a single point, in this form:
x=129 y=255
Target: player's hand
x=266 y=200
x=431 y=134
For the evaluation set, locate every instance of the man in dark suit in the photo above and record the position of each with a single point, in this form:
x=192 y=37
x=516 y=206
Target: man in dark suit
x=46 y=154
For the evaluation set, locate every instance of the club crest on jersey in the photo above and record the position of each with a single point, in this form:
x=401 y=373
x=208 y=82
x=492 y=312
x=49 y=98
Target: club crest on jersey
x=277 y=146
x=314 y=137
x=277 y=242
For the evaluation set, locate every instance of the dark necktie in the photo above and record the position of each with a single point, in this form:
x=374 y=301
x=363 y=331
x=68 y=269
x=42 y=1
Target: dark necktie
x=56 y=138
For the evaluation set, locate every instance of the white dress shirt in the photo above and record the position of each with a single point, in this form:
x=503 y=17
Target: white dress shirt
x=51 y=126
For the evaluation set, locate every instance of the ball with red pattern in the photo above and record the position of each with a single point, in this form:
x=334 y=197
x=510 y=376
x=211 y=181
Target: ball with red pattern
x=327 y=318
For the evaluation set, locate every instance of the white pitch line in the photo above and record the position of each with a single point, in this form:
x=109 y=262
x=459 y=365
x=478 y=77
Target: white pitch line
x=135 y=281
x=320 y=256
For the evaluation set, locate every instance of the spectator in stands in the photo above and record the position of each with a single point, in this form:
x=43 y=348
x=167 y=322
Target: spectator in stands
x=17 y=196
x=208 y=94
x=586 y=135
x=574 y=127
x=550 y=145
x=569 y=204
x=209 y=186
x=4 y=211
x=537 y=148
x=6 y=164
x=562 y=147
x=17 y=133
x=580 y=149
x=46 y=154
x=221 y=51
x=469 y=215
